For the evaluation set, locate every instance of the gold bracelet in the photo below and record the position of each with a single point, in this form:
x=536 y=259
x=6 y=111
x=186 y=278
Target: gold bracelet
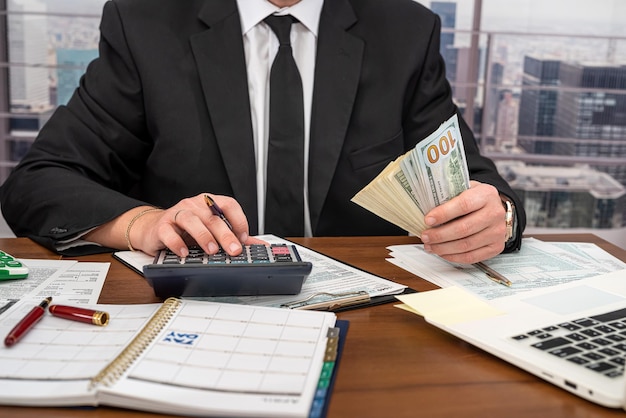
x=132 y=221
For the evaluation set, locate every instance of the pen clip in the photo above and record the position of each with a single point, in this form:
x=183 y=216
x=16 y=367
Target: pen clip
x=334 y=301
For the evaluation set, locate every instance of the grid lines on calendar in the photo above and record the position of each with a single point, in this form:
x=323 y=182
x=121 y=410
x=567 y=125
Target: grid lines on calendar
x=231 y=349
x=58 y=349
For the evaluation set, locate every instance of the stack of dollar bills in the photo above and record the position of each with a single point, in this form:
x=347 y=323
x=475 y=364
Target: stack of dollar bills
x=432 y=173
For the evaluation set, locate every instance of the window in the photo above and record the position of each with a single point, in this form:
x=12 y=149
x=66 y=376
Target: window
x=49 y=44
x=532 y=78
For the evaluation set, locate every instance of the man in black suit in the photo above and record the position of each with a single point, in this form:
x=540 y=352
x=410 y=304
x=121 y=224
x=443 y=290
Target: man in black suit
x=174 y=108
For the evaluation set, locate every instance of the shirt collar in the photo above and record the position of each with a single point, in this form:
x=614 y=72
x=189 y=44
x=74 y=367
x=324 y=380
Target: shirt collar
x=254 y=11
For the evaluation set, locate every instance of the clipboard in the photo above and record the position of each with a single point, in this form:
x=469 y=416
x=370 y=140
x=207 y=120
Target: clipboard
x=338 y=302
x=378 y=300
x=357 y=302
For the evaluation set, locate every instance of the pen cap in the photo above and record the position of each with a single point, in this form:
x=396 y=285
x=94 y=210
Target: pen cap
x=74 y=313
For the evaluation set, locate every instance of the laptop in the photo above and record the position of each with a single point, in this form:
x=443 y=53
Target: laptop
x=572 y=335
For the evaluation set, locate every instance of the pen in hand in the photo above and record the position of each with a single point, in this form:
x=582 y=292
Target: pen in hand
x=492 y=274
x=216 y=210
x=27 y=323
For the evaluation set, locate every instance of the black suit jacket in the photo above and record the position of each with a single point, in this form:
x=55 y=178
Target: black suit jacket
x=164 y=114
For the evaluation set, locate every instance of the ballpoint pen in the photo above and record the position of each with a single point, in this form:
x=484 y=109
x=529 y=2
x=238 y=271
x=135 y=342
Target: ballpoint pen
x=336 y=301
x=492 y=274
x=27 y=323
x=216 y=210
x=73 y=313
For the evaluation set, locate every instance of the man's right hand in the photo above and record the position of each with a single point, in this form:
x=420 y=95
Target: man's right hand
x=189 y=221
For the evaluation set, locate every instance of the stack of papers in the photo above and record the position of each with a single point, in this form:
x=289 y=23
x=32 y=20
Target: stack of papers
x=538 y=264
x=331 y=285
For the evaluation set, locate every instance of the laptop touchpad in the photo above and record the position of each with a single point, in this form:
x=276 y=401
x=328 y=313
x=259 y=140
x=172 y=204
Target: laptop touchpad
x=575 y=299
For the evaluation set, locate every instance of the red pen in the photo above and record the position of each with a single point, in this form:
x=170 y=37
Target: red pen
x=73 y=313
x=27 y=323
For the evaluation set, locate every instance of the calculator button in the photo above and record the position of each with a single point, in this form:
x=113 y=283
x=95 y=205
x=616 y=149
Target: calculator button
x=239 y=259
x=252 y=254
x=280 y=250
x=216 y=259
x=282 y=258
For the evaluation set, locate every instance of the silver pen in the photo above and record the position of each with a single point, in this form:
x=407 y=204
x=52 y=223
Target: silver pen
x=492 y=274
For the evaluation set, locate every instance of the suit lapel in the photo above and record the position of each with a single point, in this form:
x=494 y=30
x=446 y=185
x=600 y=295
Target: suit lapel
x=337 y=71
x=221 y=65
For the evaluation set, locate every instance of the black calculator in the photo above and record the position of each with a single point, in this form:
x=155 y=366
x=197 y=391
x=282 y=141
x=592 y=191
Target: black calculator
x=275 y=269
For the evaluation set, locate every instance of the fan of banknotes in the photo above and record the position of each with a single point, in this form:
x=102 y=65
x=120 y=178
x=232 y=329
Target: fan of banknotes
x=430 y=174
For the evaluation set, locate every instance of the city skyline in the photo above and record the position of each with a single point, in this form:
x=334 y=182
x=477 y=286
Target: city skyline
x=514 y=15
x=604 y=17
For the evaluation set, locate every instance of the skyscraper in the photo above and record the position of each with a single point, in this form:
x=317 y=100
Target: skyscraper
x=586 y=117
x=71 y=64
x=447 y=13
x=506 y=122
x=28 y=48
x=592 y=110
x=583 y=121
x=538 y=105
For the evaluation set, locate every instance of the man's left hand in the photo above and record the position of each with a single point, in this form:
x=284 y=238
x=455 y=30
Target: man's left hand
x=468 y=228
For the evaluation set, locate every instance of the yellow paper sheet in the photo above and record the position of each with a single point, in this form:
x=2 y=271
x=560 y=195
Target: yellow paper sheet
x=447 y=306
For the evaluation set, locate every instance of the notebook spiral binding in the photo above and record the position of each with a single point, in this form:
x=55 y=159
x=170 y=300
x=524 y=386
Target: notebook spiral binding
x=116 y=368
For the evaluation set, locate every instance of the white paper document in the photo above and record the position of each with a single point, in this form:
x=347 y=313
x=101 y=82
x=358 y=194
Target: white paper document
x=65 y=280
x=538 y=264
x=329 y=280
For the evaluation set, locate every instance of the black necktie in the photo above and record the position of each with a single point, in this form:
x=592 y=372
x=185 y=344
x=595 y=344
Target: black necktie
x=284 y=205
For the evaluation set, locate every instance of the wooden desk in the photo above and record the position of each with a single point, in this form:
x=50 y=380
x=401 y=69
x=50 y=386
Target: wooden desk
x=394 y=364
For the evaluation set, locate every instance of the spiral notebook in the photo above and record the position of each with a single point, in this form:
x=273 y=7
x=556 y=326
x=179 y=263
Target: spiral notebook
x=181 y=357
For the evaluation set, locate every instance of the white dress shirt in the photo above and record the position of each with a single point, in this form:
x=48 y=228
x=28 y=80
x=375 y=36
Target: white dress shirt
x=261 y=45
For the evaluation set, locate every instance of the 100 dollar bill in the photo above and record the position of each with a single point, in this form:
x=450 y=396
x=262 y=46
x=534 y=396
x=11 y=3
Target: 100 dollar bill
x=432 y=173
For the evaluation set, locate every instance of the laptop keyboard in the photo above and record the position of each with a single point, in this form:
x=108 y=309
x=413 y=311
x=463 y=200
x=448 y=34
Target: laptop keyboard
x=597 y=342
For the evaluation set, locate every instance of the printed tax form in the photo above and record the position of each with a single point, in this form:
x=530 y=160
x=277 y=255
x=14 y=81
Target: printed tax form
x=538 y=264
